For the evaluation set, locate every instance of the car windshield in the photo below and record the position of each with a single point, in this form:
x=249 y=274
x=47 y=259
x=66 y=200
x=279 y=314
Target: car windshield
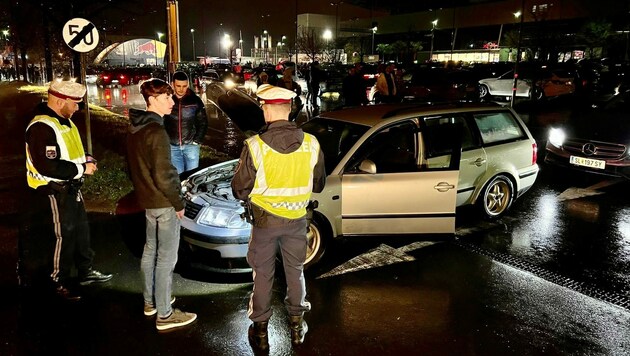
x=335 y=138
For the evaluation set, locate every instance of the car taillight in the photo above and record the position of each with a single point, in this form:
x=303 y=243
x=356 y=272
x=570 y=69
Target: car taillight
x=247 y=76
x=122 y=76
x=534 y=153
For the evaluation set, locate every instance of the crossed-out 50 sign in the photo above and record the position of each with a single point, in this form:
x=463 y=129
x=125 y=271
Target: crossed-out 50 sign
x=80 y=34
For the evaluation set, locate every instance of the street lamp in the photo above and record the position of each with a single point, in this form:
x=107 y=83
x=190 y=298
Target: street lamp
x=517 y=14
x=374 y=29
x=327 y=36
x=277 y=45
x=336 y=4
x=227 y=43
x=264 y=39
x=434 y=23
x=159 y=36
x=192 y=33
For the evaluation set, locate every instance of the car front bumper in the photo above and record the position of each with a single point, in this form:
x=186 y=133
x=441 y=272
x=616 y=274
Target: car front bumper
x=614 y=168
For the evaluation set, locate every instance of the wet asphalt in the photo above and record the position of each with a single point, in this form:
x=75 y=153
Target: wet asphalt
x=444 y=299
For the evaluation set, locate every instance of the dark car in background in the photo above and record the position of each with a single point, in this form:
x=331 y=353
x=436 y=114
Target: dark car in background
x=332 y=82
x=113 y=77
x=439 y=84
x=594 y=140
x=127 y=76
x=252 y=77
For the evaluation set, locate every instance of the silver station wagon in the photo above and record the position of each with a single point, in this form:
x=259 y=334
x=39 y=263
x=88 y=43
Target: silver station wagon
x=392 y=170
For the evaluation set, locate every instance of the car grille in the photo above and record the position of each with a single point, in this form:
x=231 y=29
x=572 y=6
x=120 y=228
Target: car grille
x=595 y=149
x=192 y=210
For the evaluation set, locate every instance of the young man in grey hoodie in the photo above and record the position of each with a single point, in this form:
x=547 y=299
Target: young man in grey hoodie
x=157 y=187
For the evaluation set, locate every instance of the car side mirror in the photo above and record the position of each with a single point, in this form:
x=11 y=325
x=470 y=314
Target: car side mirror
x=367 y=166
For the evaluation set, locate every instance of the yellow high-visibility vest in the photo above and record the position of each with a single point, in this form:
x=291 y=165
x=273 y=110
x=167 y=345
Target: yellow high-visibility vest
x=70 y=149
x=284 y=182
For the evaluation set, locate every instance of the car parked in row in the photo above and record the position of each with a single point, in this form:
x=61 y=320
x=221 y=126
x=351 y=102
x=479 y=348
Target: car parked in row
x=533 y=83
x=124 y=76
x=595 y=140
x=392 y=169
x=439 y=85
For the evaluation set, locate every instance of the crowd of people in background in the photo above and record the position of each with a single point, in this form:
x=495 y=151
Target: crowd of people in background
x=8 y=73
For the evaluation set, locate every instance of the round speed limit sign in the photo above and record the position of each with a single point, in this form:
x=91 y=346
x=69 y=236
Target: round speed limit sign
x=80 y=34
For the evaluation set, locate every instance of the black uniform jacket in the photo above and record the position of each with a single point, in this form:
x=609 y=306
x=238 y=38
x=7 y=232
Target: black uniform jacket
x=284 y=137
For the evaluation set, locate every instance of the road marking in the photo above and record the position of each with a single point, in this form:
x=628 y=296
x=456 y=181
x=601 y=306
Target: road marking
x=576 y=193
x=383 y=255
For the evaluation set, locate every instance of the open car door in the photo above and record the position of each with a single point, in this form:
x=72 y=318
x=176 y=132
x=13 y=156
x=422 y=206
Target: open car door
x=388 y=187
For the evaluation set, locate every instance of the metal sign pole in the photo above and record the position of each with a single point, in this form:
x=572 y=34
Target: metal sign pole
x=82 y=36
x=88 y=130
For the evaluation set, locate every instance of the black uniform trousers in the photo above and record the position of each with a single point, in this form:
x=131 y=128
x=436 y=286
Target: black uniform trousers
x=264 y=244
x=55 y=236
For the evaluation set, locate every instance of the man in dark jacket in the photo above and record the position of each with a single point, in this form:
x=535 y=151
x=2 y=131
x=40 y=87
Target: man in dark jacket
x=157 y=187
x=315 y=76
x=277 y=171
x=186 y=125
x=353 y=87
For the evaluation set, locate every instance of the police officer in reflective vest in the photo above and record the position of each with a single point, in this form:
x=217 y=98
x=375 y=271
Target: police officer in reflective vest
x=277 y=172
x=56 y=164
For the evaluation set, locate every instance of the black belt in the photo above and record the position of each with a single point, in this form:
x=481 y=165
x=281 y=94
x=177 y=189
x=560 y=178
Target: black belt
x=66 y=186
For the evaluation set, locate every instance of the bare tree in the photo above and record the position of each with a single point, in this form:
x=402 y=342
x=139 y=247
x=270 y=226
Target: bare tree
x=310 y=44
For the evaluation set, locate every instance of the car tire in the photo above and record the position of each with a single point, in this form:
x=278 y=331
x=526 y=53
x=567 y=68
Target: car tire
x=484 y=92
x=537 y=94
x=317 y=235
x=496 y=197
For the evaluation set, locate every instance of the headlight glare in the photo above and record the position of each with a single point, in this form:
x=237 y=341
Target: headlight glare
x=229 y=84
x=556 y=137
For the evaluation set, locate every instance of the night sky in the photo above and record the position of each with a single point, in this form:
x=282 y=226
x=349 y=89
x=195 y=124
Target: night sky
x=211 y=19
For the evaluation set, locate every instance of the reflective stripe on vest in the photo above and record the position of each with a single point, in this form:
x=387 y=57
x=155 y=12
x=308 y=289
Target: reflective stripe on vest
x=70 y=149
x=284 y=182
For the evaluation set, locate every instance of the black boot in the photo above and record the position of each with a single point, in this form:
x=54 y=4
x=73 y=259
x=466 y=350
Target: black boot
x=257 y=335
x=298 y=329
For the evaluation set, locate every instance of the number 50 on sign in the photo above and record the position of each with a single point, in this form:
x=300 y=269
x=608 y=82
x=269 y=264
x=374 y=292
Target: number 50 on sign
x=80 y=34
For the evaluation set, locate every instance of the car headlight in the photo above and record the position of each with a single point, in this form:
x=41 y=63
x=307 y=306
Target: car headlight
x=221 y=217
x=229 y=84
x=556 y=137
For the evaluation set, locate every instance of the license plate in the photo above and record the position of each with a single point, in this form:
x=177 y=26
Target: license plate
x=587 y=162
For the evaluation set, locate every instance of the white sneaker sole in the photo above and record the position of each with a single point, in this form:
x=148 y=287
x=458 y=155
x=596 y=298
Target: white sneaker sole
x=176 y=325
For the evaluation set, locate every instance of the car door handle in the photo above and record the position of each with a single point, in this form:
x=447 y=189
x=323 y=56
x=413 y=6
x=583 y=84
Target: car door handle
x=443 y=187
x=479 y=162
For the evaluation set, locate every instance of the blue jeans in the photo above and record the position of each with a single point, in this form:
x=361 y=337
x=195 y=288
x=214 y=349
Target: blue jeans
x=185 y=157
x=159 y=258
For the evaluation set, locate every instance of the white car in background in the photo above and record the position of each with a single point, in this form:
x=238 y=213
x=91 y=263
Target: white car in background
x=392 y=170
x=535 y=84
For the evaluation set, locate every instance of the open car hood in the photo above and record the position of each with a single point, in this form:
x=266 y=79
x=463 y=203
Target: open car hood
x=241 y=108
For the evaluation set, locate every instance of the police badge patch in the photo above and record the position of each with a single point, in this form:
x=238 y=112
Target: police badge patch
x=51 y=152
